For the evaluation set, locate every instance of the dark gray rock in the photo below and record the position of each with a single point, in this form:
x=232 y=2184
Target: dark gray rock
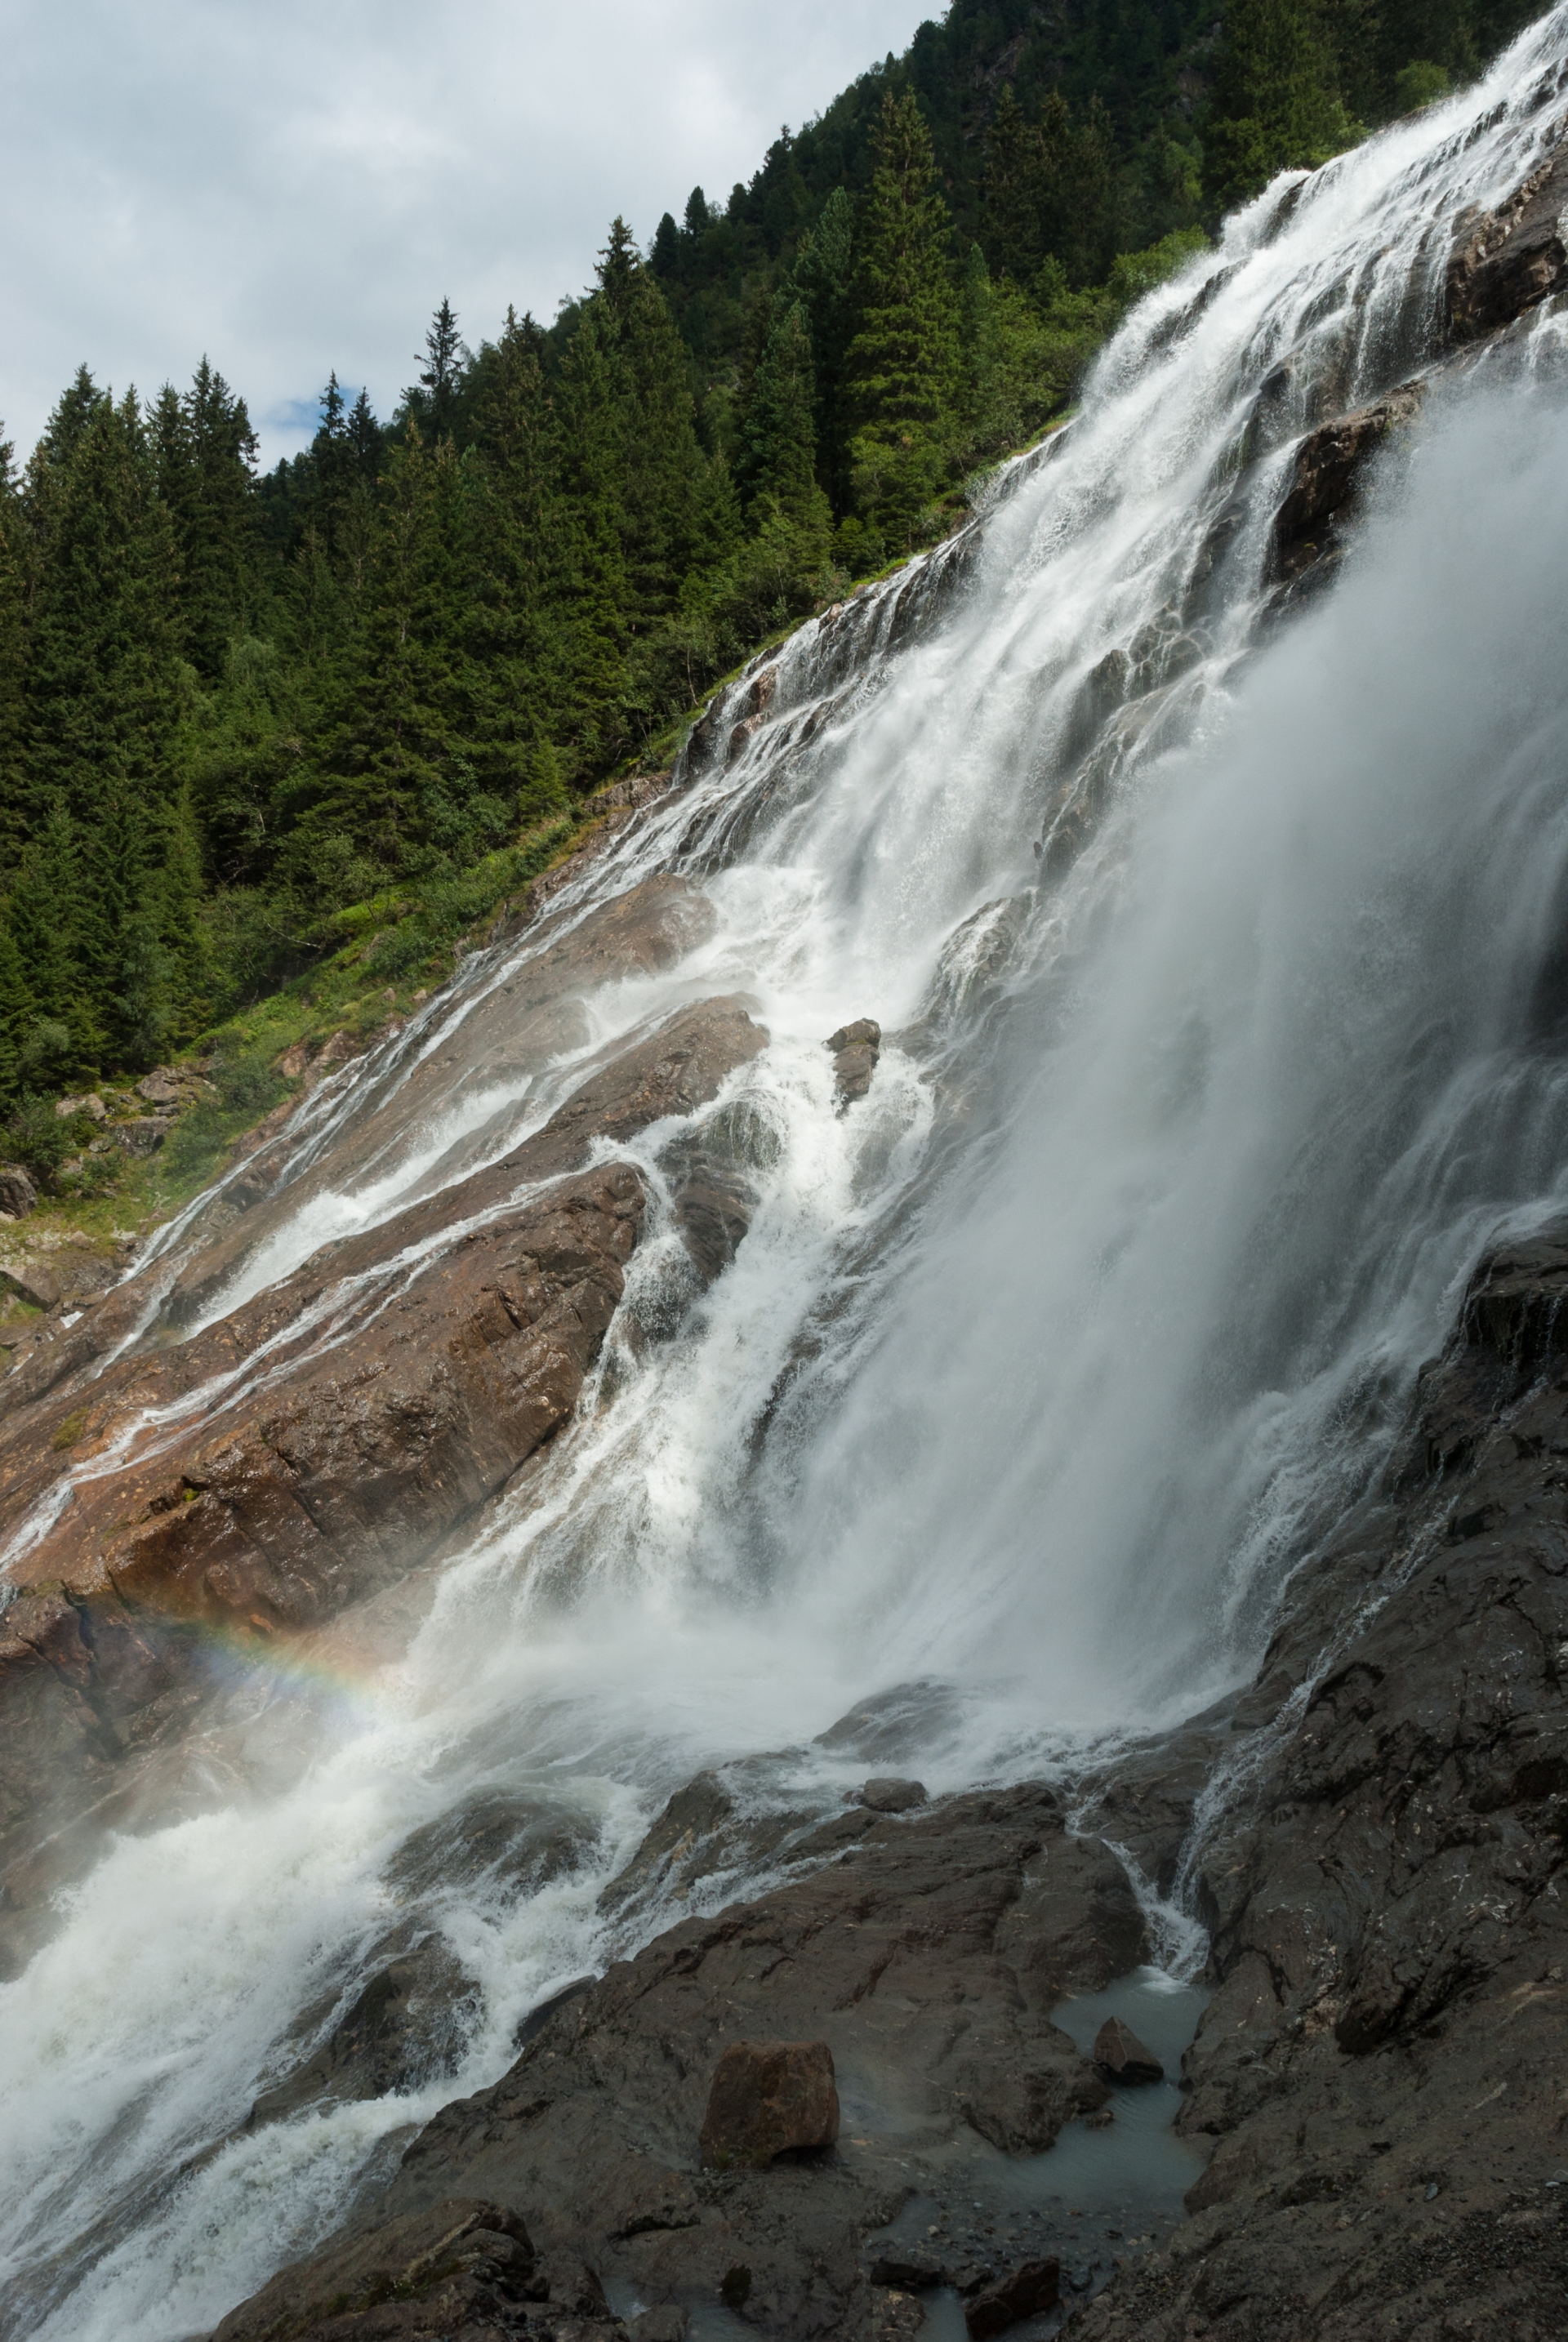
x=1505 y=262
x=1122 y=2056
x=1024 y=2292
x=1388 y=1894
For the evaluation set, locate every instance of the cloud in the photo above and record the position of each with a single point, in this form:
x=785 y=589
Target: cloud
x=292 y=188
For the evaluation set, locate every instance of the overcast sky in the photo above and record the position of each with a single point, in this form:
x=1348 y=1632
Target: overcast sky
x=291 y=186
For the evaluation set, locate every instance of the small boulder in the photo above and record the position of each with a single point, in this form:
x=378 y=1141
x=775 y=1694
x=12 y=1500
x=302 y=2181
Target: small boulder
x=909 y=2269
x=887 y=1795
x=338 y=1049
x=165 y=1086
x=92 y=1105
x=667 y=2324
x=18 y=1195
x=29 y=1280
x=855 y=1049
x=145 y=1134
x=767 y=2098
x=1024 y=2292
x=292 y=1062
x=1122 y=2056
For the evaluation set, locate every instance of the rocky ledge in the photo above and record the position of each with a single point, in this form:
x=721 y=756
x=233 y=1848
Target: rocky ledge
x=911 y=1969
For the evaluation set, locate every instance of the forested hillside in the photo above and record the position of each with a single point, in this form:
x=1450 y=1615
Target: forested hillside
x=232 y=707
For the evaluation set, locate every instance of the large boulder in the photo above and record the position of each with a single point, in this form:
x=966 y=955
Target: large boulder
x=768 y=2098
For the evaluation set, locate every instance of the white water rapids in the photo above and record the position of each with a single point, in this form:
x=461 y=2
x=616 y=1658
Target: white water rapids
x=1039 y=1370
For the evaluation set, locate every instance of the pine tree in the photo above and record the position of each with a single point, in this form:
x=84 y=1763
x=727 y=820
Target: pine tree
x=1014 y=193
x=675 y=517
x=902 y=364
x=1276 y=100
x=12 y=661
x=518 y=531
x=42 y=914
x=435 y=404
x=778 y=437
x=17 y=1011
x=823 y=275
x=393 y=782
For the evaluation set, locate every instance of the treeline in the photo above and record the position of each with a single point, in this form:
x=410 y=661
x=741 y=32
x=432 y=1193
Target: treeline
x=232 y=707
x=1156 y=115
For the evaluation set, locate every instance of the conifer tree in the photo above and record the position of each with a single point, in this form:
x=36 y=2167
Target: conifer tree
x=823 y=275
x=393 y=780
x=778 y=438
x=435 y=403
x=17 y=1011
x=519 y=534
x=902 y=364
x=1276 y=100
x=1013 y=192
x=12 y=662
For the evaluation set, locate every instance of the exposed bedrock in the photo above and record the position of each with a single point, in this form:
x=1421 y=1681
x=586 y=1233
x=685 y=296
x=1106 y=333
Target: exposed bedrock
x=320 y=1440
x=917 y=1964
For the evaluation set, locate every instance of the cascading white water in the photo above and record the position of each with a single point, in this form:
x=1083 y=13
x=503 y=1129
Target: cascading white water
x=1037 y=1372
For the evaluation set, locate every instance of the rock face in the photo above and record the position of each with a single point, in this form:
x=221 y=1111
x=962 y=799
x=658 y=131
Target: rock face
x=1380 y=2067
x=1322 y=501
x=769 y=2099
x=462 y=2266
x=922 y=1956
x=18 y=1195
x=1122 y=2056
x=1505 y=262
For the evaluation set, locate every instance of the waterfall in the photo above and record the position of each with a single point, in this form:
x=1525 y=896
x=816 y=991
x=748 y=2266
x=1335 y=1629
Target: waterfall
x=1215 y=943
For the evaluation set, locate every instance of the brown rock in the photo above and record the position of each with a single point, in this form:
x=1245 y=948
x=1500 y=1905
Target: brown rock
x=92 y=1106
x=855 y=1050
x=18 y=1195
x=292 y=1062
x=887 y=1794
x=1122 y=2056
x=338 y=1048
x=768 y=2097
x=1024 y=2292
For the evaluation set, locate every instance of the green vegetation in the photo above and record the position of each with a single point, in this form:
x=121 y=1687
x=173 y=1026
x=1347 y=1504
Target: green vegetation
x=270 y=746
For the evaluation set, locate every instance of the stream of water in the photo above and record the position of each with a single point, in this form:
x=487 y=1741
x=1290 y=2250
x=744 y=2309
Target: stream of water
x=1039 y=1369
